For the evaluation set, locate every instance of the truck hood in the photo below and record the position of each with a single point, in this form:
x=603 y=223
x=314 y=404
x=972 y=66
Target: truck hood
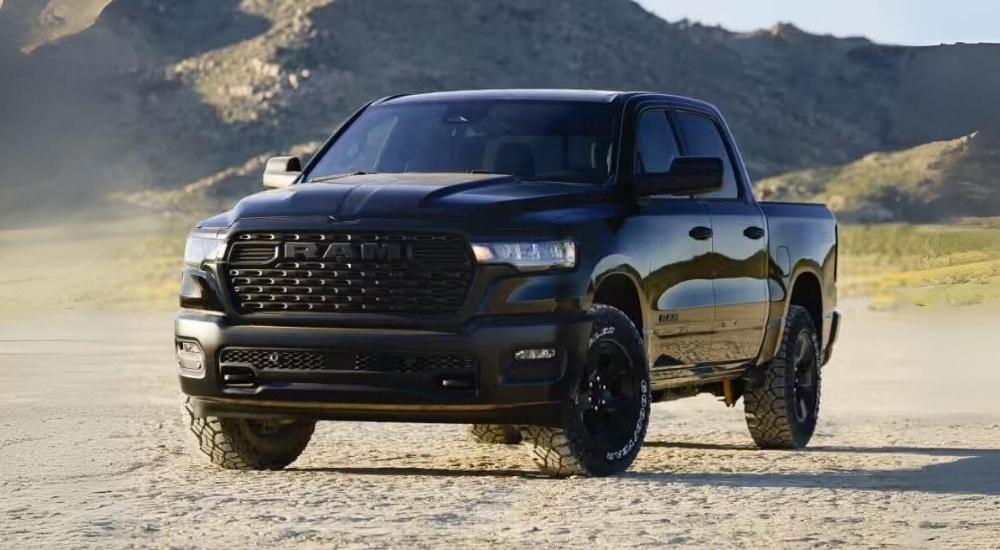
x=418 y=195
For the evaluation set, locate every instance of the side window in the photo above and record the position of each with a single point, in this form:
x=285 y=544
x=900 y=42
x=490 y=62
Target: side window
x=656 y=147
x=702 y=138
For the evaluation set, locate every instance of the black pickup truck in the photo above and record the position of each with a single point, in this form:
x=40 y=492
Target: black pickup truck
x=541 y=265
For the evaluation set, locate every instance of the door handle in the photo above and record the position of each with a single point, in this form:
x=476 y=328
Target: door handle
x=700 y=233
x=753 y=232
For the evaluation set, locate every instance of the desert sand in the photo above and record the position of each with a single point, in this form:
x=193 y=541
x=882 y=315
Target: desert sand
x=94 y=454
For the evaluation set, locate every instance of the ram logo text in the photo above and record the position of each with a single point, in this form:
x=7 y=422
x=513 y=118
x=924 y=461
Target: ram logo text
x=384 y=252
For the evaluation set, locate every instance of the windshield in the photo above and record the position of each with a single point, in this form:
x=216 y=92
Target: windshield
x=532 y=140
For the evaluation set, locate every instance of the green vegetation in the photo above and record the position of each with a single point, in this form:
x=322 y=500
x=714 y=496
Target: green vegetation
x=914 y=263
x=132 y=265
x=922 y=265
x=853 y=186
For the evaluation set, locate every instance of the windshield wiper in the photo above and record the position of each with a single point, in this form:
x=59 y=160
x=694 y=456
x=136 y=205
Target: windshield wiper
x=332 y=177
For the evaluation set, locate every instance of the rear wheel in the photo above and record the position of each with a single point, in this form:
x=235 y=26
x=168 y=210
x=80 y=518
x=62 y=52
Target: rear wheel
x=497 y=434
x=605 y=421
x=782 y=407
x=244 y=444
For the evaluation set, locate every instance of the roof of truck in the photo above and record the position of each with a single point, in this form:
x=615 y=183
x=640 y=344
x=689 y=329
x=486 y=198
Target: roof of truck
x=541 y=94
x=590 y=96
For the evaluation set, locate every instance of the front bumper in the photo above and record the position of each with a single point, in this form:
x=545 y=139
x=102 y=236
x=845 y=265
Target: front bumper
x=497 y=389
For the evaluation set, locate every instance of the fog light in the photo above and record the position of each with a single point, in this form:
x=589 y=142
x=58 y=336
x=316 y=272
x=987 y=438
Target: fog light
x=534 y=354
x=190 y=359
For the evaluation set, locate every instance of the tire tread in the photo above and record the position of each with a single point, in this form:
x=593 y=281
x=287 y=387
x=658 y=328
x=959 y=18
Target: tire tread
x=766 y=404
x=225 y=444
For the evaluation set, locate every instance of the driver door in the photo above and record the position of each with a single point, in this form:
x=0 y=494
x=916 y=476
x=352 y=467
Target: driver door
x=679 y=286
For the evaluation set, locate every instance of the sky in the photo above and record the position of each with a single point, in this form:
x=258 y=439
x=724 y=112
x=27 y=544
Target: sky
x=899 y=22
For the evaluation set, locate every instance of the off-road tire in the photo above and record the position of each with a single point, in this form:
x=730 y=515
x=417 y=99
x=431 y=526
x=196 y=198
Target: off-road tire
x=572 y=449
x=495 y=434
x=776 y=413
x=234 y=444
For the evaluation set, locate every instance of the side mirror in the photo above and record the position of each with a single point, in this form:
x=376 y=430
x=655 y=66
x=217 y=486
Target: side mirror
x=281 y=172
x=687 y=176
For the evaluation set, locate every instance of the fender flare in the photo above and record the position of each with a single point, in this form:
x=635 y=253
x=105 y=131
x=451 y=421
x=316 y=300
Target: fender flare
x=619 y=267
x=775 y=329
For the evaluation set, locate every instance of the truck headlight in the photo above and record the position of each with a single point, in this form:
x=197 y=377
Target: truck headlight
x=528 y=256
x=203 y=246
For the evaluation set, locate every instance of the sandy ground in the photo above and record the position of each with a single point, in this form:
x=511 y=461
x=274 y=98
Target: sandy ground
x=93 y=454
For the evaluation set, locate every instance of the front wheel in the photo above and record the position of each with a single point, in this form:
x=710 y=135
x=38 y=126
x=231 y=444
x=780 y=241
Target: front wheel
x=605 y=421
x=782 y=407
x=243 y=444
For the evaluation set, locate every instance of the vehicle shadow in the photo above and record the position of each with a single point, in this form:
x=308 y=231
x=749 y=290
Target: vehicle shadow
x=927 y=451
x=974 y=471
x=697 y=446
x=419 y=471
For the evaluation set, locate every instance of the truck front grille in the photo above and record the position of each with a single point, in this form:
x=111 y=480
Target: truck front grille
x=385 y=362
x=392 y=274
x=264 y=359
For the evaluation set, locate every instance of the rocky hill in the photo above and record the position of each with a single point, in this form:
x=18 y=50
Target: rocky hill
x=933 y=182
x=150 y=95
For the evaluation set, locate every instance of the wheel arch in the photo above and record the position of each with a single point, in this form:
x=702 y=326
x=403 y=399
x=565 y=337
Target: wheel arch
x=804 y=288
x=807 y=291
x=620 y=288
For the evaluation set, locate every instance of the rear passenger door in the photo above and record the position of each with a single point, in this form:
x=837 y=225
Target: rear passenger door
x=679 y=234
x=739 y=244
